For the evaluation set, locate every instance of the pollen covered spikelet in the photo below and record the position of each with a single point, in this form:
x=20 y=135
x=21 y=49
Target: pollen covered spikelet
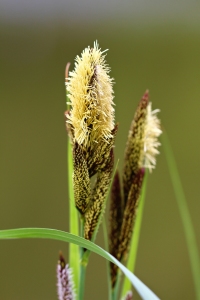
x=140 y=152
x=152 y=131
x=90 y=126
x=142 y=142
x=135 y=145
x=65 y=284
x=90 y=92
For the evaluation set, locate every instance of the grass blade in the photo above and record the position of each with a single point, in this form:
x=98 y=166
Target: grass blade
x=184 y=213
x=142 y=289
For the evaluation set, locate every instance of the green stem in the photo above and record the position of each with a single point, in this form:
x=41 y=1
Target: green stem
x=185 y=215
x=82 y=279
x=73 y=222
x=73 y=215
x=115 y=291
x=84 y=262
x=107 y=262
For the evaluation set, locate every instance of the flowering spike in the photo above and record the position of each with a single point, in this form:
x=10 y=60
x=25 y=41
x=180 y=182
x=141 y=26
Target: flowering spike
x=134 y=145
x=115 y=219
x=97 y=204
x=151 y=133
x=81 y=180
x=140 y=152
x=129 y=215
x=142 y=143
x=91 y=97
x=65 y=285
x=90 y=126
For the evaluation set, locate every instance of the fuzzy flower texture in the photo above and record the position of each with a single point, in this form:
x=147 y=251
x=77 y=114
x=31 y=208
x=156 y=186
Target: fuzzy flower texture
x=91 y=94
x=90 y=125
x=65 y=284
x=140 y=152
x=91 y=128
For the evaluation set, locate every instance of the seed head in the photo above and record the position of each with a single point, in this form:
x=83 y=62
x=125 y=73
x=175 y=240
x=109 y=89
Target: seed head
x=141 y=149
x=142 y=143
x=90 y=126
x=151 y=133
x=90 y=92
x=65 y=285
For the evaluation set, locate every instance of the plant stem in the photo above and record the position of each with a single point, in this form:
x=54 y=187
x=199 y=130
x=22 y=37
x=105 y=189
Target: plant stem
x=115 y=291
x=107 y=262
x=73 y=214
x=73 y=220
x=185 y=215
x=82 y=279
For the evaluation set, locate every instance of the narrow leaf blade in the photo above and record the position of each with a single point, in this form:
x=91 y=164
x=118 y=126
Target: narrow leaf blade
x=142 y=289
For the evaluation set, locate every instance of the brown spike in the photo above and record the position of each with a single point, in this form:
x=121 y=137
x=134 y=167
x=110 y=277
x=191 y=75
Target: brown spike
x=97 y=206
x=130 y=214
x=115 y=217
x=135 y=145
x=97 y=157
x=81 y=180
x=128 y=222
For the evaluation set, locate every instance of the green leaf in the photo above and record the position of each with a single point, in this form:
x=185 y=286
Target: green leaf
x=184 y=213
x=141 y=288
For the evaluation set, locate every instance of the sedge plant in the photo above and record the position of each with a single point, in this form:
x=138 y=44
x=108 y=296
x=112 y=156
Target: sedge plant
x=92 y=176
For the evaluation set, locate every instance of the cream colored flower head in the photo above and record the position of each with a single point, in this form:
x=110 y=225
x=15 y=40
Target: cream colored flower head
x=152 y=131
x=90 y=93
x=142 y=143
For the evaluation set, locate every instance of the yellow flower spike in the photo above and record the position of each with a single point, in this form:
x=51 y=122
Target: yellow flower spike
x=142 y=143
x=152 y=131
x=90 y=126
x=91 y=97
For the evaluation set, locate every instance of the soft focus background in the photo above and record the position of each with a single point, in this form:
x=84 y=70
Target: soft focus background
x=152 y=44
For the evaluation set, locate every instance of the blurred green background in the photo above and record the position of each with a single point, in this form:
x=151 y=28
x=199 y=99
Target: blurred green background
x=151 y=45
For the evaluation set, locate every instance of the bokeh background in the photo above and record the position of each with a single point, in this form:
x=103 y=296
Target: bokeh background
x=152 y=44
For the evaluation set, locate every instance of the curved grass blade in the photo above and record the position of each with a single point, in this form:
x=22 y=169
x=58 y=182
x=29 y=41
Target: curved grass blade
x=142 y=289
x=184 y=213
x=135 y=238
